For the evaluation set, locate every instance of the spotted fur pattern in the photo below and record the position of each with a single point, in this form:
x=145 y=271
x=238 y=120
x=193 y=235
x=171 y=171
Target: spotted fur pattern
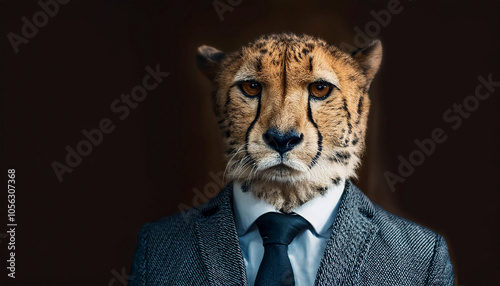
x=333 y=128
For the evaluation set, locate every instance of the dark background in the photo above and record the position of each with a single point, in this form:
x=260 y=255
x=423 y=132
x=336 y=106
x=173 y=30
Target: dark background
x=83 y=231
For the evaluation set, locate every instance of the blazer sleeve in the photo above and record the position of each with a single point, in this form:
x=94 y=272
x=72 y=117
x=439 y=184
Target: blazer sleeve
x=137 y=275
x=441 y=270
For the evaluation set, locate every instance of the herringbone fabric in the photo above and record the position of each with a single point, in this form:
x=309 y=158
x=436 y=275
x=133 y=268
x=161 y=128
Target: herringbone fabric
x=367 y=246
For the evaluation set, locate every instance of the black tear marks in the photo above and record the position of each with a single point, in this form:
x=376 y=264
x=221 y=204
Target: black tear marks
x=320 y=137
x=341 y=157
x=360 y=109
x=311 y=64
x=336 y=181
x=247 y=134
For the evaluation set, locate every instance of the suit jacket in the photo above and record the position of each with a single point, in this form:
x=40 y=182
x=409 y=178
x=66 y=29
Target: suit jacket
x=367 y=246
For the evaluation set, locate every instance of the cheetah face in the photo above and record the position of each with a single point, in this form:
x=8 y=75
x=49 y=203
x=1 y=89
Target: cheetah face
x=292 y=109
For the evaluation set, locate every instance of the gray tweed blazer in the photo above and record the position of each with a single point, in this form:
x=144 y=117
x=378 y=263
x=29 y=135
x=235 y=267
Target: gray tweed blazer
x=367 y=246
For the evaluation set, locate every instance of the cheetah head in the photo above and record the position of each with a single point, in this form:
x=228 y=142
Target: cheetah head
x=293 y=111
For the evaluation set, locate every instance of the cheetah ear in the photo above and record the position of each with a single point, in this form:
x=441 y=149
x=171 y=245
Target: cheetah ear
x=208 y=59
x=369 y=58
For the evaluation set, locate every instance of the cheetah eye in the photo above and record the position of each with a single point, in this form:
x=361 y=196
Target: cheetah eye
x=320 y=90
x=250 y=88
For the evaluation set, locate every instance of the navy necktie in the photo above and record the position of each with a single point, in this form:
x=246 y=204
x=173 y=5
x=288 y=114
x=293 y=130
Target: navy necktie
x=277 y=231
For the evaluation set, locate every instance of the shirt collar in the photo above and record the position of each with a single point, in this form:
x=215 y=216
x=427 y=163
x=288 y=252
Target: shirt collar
x=320 y=212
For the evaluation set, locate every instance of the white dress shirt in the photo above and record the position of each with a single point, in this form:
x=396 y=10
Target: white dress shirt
x=306 y=250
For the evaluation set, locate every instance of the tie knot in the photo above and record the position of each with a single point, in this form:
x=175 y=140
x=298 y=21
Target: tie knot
x=277 y=228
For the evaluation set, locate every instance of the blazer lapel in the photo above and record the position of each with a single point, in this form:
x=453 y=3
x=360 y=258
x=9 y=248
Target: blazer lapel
x=350 y=240
x=218 y=241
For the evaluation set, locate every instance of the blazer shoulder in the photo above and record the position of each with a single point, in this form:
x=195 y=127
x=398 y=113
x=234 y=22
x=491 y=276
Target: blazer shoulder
x=178 y=222
x=390 y=222
x=420 y=252
x=166 y=249
x=166 y=236
x=181 y=226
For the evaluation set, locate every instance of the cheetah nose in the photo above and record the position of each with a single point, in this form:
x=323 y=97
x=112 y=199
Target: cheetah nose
x=282 y=142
